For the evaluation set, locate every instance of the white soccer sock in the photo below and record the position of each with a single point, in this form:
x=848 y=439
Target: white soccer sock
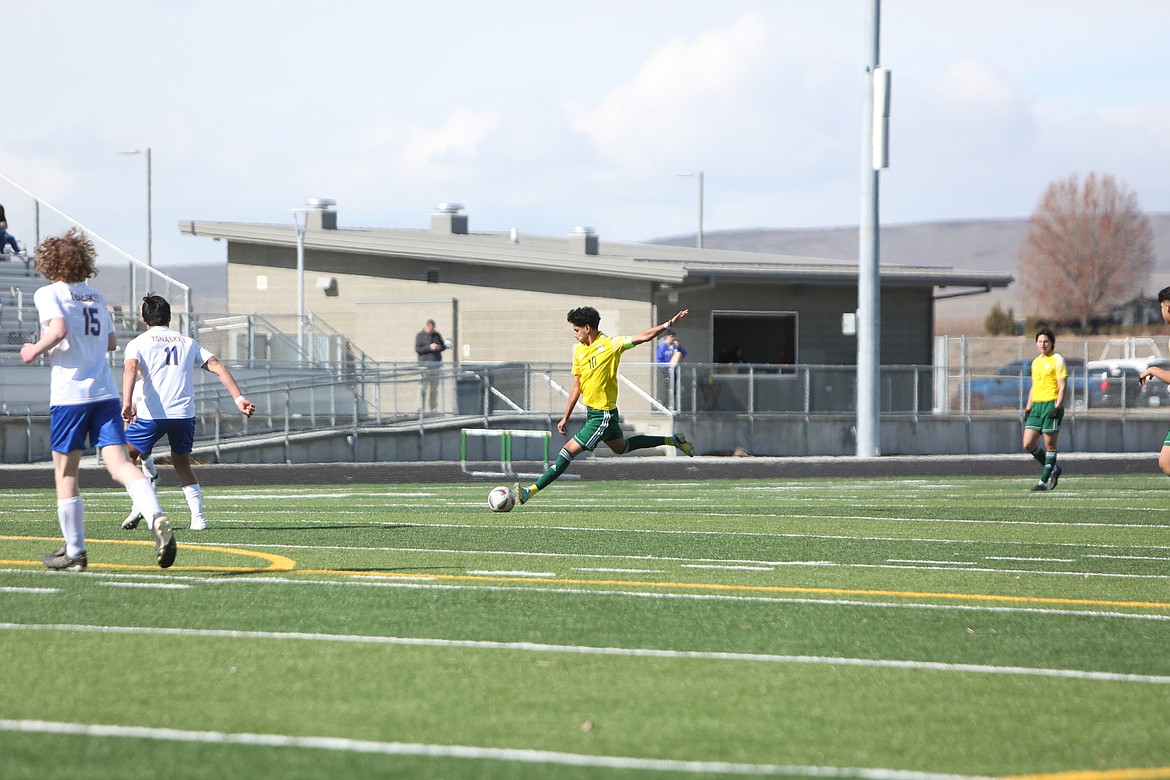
x=145 y=499
x=148 y=468
x=194 y=502
x=71 y=515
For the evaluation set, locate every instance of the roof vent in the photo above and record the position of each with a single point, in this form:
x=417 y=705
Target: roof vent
x=321 y=214
x=448 y=220
x=583 y=241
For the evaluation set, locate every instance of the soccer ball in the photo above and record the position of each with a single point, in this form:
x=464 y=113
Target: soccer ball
x=501 y=499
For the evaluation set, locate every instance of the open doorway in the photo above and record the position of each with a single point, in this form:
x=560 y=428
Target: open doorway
x=754 y=337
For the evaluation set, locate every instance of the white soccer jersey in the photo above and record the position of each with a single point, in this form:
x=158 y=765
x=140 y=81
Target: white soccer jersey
x=167 y=361
x=80 y=372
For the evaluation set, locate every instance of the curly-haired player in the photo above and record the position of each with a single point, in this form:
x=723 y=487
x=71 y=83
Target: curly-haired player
x=85 y=405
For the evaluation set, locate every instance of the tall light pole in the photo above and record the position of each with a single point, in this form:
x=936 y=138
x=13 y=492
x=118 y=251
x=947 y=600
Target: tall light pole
x=874 y=157
x=149 y=202
x=699 y=178
x=301 y=219
x=149 y=228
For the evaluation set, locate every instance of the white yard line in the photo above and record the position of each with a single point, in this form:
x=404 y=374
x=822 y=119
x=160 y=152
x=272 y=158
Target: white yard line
x=930 y=563
x=1129 y=557
x=601 y=570
x=1037 y=560
x=627 y=652
x=423 y=582
x=164 y=585
x=481 y=573
x=474 y=752
x=734 y=563
x=725 y=567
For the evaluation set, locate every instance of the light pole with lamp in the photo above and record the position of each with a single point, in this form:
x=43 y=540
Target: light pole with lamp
x=699 y=178
x=301 y=219
x=149 y=224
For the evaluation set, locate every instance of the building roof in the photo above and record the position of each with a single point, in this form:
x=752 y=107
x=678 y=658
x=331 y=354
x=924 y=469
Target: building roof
x=650 y=262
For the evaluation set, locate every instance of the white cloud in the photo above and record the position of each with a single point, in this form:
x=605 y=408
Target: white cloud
x=547 y=115
x=684 y=95
x=978 y=83
x=53 y=180
x=461 y=135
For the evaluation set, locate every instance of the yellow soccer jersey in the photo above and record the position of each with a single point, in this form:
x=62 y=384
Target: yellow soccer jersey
x=596 y=367
x=1045 y=373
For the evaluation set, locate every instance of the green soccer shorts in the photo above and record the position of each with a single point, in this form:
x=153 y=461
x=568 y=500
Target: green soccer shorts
x=1038 y=419
x=601 y=425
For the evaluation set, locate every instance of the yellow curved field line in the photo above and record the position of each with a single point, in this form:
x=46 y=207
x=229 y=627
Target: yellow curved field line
x=281 y=563
x=757 y=588
x=276 y=563
x=1152 y=773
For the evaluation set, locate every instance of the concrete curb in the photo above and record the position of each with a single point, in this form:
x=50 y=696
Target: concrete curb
x=611 y=467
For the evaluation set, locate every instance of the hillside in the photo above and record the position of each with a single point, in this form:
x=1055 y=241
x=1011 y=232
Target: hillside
x=983 y=245
x=208 y=283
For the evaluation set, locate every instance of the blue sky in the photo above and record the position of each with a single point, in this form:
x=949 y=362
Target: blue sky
x=543 y=116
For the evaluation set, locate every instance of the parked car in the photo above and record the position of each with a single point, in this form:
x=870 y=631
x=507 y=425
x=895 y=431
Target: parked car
x=1114 y=385
x=1113 y=378
x=1009 y=386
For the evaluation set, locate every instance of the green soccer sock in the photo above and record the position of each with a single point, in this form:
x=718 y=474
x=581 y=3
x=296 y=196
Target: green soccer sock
x=1049 y=464
x=1039 y=454
x=555 y=470
x=641 y=442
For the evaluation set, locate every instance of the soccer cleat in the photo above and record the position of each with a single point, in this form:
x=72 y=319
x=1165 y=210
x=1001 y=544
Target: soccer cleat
x=60 y=560
x=1054 y=477
x=681 y=442
x=199 y=525
x=1039 y=487
x=132 y=520
x=522 y=493
x=164 y=539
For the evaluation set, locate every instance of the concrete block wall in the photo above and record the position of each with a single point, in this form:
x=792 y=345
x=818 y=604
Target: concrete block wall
x=791 y=436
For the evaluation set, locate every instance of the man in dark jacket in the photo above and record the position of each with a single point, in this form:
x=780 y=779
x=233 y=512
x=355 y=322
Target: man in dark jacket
x=429 y=345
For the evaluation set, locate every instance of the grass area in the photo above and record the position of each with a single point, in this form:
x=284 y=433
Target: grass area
x=850 y=628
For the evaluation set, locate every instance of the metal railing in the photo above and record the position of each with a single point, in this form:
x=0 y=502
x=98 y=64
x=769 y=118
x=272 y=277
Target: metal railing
x=294 y=399
x=143 y=277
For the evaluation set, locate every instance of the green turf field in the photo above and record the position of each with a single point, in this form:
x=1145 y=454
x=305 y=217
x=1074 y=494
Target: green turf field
x=892 y=629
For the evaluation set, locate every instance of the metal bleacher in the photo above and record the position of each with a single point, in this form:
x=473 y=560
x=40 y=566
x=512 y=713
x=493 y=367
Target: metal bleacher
x=305 y=381
x=18 y=315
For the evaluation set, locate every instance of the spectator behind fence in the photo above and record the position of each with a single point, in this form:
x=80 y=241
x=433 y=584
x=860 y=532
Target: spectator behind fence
x=429 y=345
x=670 y=351
x=6 y=238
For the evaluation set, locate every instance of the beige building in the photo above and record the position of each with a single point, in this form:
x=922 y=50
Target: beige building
x=503 y=296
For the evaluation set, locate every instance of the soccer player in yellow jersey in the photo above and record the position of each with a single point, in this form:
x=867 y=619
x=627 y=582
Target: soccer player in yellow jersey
x=595 y=371
x=1045 y=408
x=1162 y=374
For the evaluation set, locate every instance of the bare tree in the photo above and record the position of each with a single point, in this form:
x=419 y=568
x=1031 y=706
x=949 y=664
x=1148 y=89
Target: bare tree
x=1088 y=248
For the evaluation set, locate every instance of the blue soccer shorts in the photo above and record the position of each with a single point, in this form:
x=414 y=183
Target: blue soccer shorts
x=144 y=434
x=99 y=422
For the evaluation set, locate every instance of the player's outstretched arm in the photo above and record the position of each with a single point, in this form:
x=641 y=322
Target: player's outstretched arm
x=570 y=405
x=1156 y=373
x=656 y=330
x=129 y=376
x=245 y=406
